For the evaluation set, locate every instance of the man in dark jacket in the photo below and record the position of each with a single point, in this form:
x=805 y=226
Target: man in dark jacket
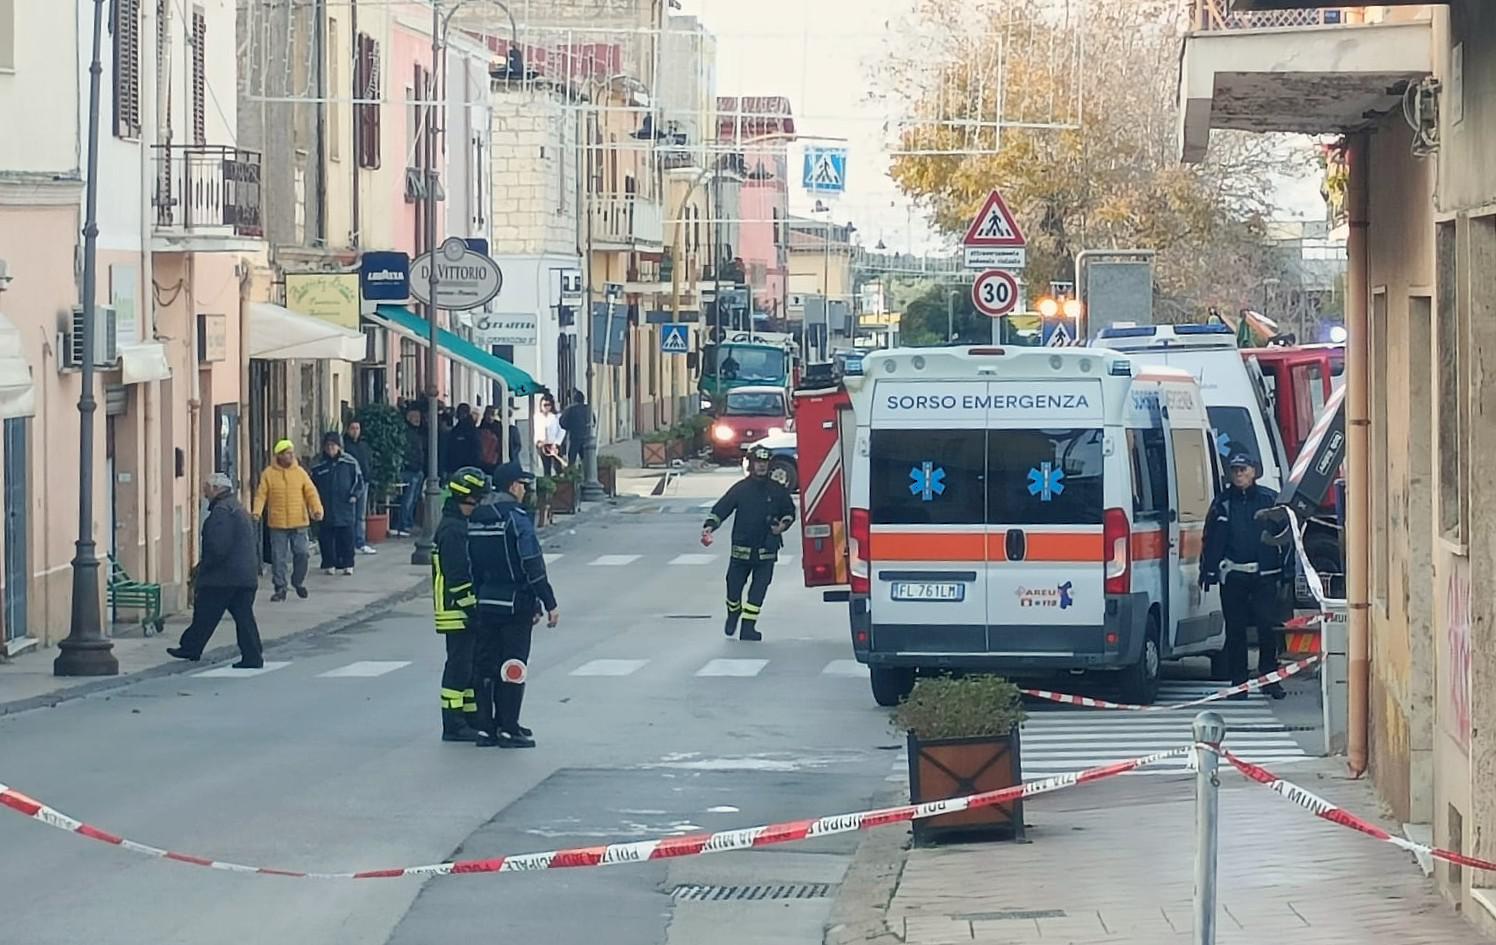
x=490 y=440
x=763 y=510
x=1253 y=574
x=363 y=454
x=462 y=442
x=576 y=420
x=414 y=468
x=513 y=590
x=227 y=575
x=338 y=481
x=454 y=602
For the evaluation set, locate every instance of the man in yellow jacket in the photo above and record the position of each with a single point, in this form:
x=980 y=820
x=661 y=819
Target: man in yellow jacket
x=288 y=503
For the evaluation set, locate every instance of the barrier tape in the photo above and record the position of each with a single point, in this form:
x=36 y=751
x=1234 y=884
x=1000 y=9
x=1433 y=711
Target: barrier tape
x=1277 y=676
x=1325 y=810
x=1311 y=576
x=660 y=848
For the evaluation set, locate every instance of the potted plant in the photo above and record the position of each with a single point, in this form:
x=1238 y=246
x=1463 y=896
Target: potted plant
x=681 y=443
x=963 y=739
x=700 y=426
x=384 y=431
x=545 y=488
x=607 y=472
x=654 y=448
x=567 y=490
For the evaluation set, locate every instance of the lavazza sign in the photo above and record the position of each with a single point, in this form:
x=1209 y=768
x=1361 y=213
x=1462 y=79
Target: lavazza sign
x=464 y=279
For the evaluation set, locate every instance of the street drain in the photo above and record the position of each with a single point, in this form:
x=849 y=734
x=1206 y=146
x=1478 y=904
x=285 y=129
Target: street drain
x=688 y=616
x=762 y=891
x=1020 y=914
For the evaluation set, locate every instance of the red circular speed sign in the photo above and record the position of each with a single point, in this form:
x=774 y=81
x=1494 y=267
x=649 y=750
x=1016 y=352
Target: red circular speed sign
x=995 y=293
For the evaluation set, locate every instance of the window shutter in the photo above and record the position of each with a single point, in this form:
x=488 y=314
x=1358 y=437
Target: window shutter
x=367 y=89
x=199 y=76
x=127 y=68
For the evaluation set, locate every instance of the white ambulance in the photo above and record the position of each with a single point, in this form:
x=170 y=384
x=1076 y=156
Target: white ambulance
x=1026 y=511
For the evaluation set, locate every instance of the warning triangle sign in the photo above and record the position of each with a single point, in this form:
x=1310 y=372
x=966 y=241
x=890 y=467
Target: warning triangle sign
x=994 y=225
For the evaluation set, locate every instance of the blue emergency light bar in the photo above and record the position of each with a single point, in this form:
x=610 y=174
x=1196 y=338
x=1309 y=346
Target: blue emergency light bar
x=1214 y=328
x=1133 y=331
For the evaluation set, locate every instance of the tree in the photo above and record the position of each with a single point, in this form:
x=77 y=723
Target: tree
x=1071 y=113
x=924 y=320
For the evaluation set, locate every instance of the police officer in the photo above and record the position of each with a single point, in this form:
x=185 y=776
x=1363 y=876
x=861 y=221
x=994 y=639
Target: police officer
x=513 y=591
x=455 y=601
x=1252 y=572
x=764 y=510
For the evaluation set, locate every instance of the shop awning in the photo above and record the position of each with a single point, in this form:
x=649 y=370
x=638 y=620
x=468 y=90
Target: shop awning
x=17 y=393
x=278 y=334
x=144 y=362
x=407 y=323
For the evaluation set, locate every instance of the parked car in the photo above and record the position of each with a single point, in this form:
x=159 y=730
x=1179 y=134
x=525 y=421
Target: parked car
x=783 y=468
x=744 y=415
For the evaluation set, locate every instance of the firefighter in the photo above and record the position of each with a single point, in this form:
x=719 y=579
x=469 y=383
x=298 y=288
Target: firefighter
x=455 y=602
x=764 y=510
x=1253 y=574
x=513 y=591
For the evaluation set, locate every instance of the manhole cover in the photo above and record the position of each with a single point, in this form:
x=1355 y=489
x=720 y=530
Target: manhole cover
x=1025 y=914
x=761 y=891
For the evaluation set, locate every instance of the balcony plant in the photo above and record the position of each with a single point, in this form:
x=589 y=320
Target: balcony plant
x=384 y=431
x=963 y=739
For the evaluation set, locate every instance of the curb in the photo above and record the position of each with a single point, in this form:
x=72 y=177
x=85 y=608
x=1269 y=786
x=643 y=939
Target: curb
x=174 y=667
x=858 y=914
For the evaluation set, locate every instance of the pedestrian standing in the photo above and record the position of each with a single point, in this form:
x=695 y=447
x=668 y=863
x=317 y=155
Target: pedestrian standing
x=227 y=576
x=576 y=422
x=548 y=435
x=454 y=602
x=462 y=442
x=414 y=469
x=508 y=570
x=288 y=503
x=490 y=441
x=1253 y=574
x=338 y=482
x=762 y=510
x=355 y=446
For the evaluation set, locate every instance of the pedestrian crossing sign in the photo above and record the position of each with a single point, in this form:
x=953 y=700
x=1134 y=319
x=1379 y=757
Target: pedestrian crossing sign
x=1058 y=333
x=675 y=339
x=994 y=225
x=825 y=170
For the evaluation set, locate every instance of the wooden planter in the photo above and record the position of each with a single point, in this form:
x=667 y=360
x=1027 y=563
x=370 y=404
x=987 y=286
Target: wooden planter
x=564 y=499
x=943 y=768
x=652 y=454
x=608 y=476
x=676 y=449
x=377 y=527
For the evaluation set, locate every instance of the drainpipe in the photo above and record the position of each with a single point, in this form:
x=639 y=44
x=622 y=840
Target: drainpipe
x=1358 y=403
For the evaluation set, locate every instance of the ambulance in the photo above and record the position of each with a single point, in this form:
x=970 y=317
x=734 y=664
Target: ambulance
x=1026 y=511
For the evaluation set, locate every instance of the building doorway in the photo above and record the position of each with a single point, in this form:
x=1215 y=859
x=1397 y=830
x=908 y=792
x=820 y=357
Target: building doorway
x=13 y=607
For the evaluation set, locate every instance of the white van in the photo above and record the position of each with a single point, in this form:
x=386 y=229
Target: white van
x=1234 y=389
x=1026 y=511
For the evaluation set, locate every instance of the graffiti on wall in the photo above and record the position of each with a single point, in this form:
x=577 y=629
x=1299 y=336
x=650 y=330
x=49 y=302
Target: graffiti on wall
x=1456 y=661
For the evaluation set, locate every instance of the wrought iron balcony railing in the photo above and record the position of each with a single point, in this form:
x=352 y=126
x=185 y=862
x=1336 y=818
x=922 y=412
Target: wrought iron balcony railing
x=207 y=190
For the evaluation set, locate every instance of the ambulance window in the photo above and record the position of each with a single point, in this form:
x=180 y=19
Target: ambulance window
x=1044 y=477
x=1192 y=464
x=927 y=477
x=1233 y=432
x=1150 y=473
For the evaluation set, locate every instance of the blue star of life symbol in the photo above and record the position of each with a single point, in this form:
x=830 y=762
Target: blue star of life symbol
x=1046 y=482
x=1223 y=444
x=927 y=481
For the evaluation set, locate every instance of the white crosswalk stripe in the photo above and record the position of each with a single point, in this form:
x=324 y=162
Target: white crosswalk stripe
x=726 y=667
x=229 y=672
x=553 y=557
x=365 y=669
x=1059 y=739
x=694 y=558
x=613 y=561
x=844 y=668
x=609 y=668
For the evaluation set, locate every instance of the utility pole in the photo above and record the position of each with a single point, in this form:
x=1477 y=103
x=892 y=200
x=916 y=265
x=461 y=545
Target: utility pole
x=86 y=651
x=950 y=315
x=433 y=494
x=592 y=489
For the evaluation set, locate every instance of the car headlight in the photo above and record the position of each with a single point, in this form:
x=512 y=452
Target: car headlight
x=723 y=433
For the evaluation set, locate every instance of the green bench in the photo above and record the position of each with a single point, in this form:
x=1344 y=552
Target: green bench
x=130 y=594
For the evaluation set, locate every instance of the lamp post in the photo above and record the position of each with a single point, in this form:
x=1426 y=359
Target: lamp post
x=86 y=651
x=950 y=314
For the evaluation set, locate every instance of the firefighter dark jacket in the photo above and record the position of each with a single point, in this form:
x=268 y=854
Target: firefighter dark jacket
x=754 y=503
x=451 y=572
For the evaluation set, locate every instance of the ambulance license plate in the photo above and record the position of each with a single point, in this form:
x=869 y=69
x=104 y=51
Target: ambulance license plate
x=929 y=591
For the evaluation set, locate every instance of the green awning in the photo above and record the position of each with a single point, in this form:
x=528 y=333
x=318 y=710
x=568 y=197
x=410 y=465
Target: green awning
x=403 y=321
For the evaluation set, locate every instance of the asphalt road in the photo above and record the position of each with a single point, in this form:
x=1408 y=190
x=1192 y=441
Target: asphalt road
x=650 y=722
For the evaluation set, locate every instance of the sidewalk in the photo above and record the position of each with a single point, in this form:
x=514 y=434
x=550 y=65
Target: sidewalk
x=1112 y=864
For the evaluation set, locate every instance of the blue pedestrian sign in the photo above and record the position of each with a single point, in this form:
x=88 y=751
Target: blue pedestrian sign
x=1057 y=332
x=825 y=170
x=675 y=338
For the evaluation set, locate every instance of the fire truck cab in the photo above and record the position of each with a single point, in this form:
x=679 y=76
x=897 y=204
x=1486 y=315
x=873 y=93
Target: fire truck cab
x=1023 y=511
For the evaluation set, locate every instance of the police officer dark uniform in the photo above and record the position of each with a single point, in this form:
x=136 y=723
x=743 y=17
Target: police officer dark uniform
x=513 y=591
x=763 y=510
x=1252 y=572
x=454 y=599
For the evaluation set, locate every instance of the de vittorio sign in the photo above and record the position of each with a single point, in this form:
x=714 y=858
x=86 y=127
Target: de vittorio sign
x=464 y=278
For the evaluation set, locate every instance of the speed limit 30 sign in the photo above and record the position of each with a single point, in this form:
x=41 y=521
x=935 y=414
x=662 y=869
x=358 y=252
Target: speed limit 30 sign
x=995 y=293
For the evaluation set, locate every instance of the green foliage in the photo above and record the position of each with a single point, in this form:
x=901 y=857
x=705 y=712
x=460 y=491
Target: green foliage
x=658 y=436
x=384 y=431
x=545 y=487
x=943 y=707
x=924 y=320
x=609 y=461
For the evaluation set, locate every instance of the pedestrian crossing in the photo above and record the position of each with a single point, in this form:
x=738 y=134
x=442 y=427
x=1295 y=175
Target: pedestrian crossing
x=693 y=559
x=1058 y=739
x=605 y=667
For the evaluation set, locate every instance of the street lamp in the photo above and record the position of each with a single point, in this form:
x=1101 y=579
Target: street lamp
x=86 y=651
x=950 y=314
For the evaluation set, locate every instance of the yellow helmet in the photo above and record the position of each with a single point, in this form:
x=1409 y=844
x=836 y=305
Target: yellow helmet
x=468 y=481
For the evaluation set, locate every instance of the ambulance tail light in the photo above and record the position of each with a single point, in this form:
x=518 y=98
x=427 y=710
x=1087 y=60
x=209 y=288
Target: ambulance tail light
x=987 y=351
x=859 y=551
x=1117 y=543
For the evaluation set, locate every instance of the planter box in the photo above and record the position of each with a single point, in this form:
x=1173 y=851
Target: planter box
x=564 y=499
x=652 y=454
x=943 y=768
x=608 y=476
x=676 y=449
x=377 y=527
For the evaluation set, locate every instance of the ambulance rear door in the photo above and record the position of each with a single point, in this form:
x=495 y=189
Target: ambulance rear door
x=820 y=454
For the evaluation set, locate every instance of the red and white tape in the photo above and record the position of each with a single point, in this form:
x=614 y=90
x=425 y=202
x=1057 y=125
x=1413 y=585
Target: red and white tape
x=1325 y=810
x=659 y=848
x=1277 y=676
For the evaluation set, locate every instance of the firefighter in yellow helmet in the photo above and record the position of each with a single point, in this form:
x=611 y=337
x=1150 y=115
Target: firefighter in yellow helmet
x=455 y=602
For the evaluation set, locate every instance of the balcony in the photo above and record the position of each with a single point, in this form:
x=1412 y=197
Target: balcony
x=1306 y=71
x=627 y=222
x=207 y=199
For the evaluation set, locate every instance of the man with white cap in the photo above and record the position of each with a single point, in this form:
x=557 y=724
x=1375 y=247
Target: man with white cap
x=227 y=576
x=289 y=503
